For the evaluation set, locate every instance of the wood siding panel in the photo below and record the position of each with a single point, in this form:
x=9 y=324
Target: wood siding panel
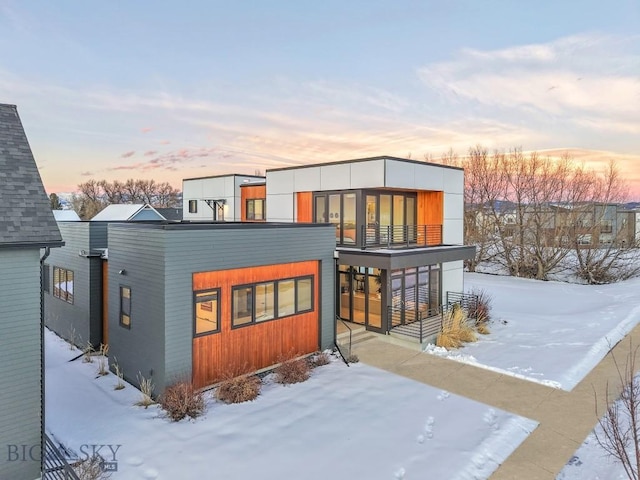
x=247 y=193
x=244 y=349
x=304 y=207
x=431 y=210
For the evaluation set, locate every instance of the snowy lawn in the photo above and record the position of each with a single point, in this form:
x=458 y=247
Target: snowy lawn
x=549 y=332
x=343 y=423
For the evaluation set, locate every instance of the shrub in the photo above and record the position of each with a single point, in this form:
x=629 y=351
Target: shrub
x=103 y=362
x=88 y=352
x=483 y=329
x=482 y=312
x=146 y=391
x=119 y=374
x=320 y=359
x=91 y=469
x=182 y=400
x=239 y=389
x=455 y=329
x=353 y=358
x=295 y=370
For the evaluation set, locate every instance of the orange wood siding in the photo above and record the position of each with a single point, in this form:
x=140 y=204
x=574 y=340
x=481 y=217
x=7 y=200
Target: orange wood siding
x=247 y=193
x=105 y=302
x=245 y=349
x=431 y=210
x=304 y=207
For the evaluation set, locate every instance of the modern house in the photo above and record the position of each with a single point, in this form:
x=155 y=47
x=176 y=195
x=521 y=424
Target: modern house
x=27 y=229
x=375 y=241
x=215 y=198
x=398 y=230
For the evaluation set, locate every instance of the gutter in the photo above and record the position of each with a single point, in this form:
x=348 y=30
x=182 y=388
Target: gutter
x=47 y=252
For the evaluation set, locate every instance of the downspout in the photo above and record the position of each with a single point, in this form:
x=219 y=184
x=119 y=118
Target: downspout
x=47 y=251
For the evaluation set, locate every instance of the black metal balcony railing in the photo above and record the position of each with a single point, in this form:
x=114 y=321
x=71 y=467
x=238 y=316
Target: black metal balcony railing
x=400 y=235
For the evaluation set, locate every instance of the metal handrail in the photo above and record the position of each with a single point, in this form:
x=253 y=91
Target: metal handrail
x=54 y=465
x=338 y=346
x=391 y=236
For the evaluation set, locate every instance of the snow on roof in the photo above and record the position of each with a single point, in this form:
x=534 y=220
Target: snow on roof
x=125 y=212
x=66 y=216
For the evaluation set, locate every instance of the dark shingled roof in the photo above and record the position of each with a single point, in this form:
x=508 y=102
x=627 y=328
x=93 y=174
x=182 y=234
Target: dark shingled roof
x=25 y=213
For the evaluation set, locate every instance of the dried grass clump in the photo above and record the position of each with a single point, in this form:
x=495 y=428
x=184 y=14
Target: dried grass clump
x=182 y=400
x=239 y=389
x=91 y=469
x=483 y=329
x=353 y=358
x=482 y=312
x=295 y=370
x=455 y=329
x=146 y=391
x=320 y=359
x=103 y=361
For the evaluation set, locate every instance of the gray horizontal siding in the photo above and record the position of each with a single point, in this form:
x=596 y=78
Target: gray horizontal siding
x=19 y=358
x=63 y=317
x=141 y=348
x=190 y=251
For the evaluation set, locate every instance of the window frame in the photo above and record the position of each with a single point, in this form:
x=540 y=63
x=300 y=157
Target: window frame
x=250 y=206
x=276 y=300
x=193 y=206
x=218 y=294
x=122 y=324
x=58 y=292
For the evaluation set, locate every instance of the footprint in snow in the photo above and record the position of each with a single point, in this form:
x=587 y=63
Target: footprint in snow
x=399 y=473
x=150 y=473
x=428 y=427
x=491 y=418
x=134 y=461
x=420 y=439
x=443 y=395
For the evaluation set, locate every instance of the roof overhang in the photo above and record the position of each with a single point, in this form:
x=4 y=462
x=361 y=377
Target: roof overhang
x=391 y=259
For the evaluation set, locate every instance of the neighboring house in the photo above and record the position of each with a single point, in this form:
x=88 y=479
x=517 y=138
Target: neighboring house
x=26 y=227
x=126 y=212
x=170 y=213
x=398 y=230
x=66 y=216
x=215 y=198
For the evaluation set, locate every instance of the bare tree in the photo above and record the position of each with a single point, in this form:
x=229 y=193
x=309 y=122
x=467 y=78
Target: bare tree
x=94 y=195
x=619 y=433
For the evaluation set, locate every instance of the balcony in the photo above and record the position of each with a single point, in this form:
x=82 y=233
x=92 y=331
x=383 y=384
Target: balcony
x=400 y=236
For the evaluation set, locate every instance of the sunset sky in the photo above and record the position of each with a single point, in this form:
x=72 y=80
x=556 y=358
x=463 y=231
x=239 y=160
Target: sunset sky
x=171 y=90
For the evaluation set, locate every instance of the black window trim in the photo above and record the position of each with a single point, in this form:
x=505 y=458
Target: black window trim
x=253 y=215
x=66 y=296
x=276 y=315
x=218 y=293
x=193 y=203
x=128 y=327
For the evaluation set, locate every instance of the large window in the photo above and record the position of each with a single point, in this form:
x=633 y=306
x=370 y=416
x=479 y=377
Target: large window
x=63 y=284
x=193 y=206
x=125 y=306
x=269 y=300
x=255 y=209
x=206 y=312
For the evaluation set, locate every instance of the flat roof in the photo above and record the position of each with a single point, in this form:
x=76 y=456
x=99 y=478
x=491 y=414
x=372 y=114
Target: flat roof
x=356 y=160
x=224 y=175
x=186 y=225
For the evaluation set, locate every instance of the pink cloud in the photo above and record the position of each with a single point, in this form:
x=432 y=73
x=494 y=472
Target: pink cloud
x=146 y=129
x=148 y=153
x=164 y=142
x=128 y=154
x=86 y=174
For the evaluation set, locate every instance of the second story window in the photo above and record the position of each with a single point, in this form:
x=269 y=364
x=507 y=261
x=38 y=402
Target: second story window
x=256 y=209
x=193 y=206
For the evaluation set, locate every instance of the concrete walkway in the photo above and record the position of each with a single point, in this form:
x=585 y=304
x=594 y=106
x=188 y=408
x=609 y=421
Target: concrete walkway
x=565 y=418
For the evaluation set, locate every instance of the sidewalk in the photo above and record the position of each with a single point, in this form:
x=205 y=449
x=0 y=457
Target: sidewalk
x=566 y=418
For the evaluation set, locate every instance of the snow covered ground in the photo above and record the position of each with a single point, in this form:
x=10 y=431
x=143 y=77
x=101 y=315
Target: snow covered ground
x=343 y=423
x=549 y=332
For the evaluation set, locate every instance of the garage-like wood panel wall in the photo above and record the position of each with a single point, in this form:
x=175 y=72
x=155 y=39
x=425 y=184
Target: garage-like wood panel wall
x=248 y=348
x=304 y=207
